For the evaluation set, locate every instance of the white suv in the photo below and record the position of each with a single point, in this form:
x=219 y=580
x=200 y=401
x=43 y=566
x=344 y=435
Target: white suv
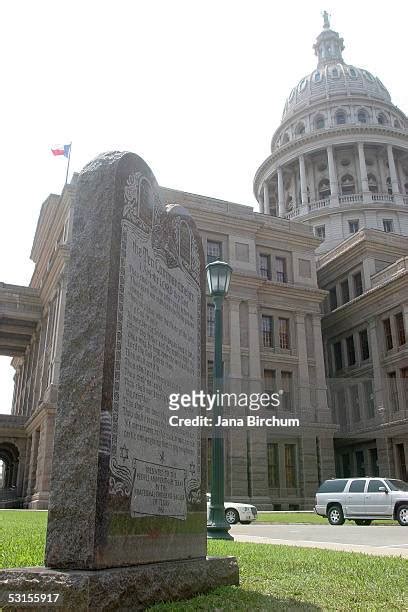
x=363 y=500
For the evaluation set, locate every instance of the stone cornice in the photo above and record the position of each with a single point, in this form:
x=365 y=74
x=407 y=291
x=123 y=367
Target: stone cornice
x=313 y=141
x=367 y=304
x=365 y=240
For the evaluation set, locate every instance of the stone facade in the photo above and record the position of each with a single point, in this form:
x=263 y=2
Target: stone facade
x=335 y=184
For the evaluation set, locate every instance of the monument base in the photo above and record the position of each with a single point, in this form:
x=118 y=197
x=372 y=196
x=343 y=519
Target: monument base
x=123 y=588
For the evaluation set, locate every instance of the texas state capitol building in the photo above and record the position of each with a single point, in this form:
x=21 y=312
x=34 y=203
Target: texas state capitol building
x=318 y=303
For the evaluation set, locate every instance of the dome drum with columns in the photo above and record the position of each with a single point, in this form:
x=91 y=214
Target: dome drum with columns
x=340 y=156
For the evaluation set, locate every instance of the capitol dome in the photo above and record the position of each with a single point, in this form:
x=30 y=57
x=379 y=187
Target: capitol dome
x=333 y=77
x=339 y=158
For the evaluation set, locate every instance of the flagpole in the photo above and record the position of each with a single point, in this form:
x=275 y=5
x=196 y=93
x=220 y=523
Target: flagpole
x=69 y=159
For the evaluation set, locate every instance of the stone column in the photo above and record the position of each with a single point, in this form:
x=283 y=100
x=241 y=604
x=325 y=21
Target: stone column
x=386 y=463
x=261 y=203
x=363 y=168
x=281 y=194
x=321 y=390
x=255 y=373
x=308 y=467
x=377 y=370
x=382 y=187
x=266 y=210
x=393 y=171
x=303 y=367
x=303 y=182
x=235 y=346
x=32 y=470
x=405 y=318
x=334 y=185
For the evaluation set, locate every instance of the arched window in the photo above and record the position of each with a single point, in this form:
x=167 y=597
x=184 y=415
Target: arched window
x=347 y=184
x=362 y=116
x=335 y=73
x=382 y=119
x=285 y=138
x=389 y=185
x=319 y=122
x=340 y=117
x=397 y=124
x=372 y=183
x=300 y=128
x=317 y=76
x=353 y=73
x=324 y=189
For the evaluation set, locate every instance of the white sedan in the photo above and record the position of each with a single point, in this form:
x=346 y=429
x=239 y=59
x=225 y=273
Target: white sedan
x=235 y=512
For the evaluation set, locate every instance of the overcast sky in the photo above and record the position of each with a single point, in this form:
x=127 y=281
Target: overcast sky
x=196 y=88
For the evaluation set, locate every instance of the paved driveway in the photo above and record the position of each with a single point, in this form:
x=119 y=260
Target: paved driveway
x=374 y=540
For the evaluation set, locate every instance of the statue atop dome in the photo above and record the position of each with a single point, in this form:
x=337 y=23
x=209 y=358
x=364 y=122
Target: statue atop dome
x=329 y=45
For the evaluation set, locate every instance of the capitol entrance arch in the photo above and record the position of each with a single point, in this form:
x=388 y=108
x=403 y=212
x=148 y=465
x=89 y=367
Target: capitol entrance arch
x=20 y=311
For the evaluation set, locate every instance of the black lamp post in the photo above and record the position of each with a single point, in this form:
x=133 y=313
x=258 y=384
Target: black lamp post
x=218 y=278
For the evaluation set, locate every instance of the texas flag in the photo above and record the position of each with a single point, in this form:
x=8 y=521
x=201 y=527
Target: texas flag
x=61 y=150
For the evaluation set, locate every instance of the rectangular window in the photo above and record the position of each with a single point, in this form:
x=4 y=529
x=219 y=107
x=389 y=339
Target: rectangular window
x=345 y=292
x=358 y=284
x=290 y=465
x=286 y=381
x=341 y=407
x=399 y=321
x=273 y=465
x=369 y=398
x=364 y=346
x=354 y=226
x=281 y=275
x=270 y=381
x=210 y=376
x=393 y=389
x=388 y=225
x=404 y=380
x=210 y=320
x=265 y=266
x=388 y=334
x=284 y=334
x=320 y=231
x=338 y=356
x=267 y=331
x=351 y=353
x=355 y=403
x=333 y=298
x=214 y=251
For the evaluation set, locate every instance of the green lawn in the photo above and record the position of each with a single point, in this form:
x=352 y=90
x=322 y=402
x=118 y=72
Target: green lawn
x=272 y=577
x=309 y=518
x=292 y=517
x=22 y=538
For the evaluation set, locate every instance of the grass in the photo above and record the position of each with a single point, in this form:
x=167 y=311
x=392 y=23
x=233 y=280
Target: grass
x=272 y=577
x=305 y=518
x=288 y=518
x=22 y=538
x=291 y=579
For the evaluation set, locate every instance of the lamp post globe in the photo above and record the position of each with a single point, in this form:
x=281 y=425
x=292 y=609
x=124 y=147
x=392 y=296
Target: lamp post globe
x=218 y=278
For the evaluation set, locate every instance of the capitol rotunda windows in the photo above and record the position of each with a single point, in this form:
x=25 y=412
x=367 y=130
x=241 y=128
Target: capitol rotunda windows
x=340 y=117
x=300 y=129
x=362 y=116
x=324 y=189
x=319 y=122
x=347 y=184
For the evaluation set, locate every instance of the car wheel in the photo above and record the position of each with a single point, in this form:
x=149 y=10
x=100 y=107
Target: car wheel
x=363 y=522
x=402 y=515
x=245 y=522
x=335 y=515
x=231 y=516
